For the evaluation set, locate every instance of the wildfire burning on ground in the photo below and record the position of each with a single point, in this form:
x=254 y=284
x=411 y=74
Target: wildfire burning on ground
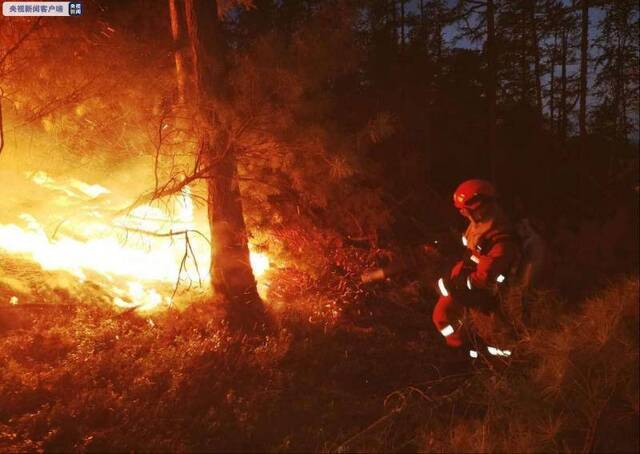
x=137 y=254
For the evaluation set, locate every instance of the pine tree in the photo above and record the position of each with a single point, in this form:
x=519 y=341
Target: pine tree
x=551 y=50
x=584 y=71
x=566 y=30
x=231 y=273
x=434 y=16
x=558 y=37
x=479 y=23
x=616 y=84
x=515 y=53
x=535 y=46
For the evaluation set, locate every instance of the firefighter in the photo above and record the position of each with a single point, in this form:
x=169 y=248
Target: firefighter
x=492 y=253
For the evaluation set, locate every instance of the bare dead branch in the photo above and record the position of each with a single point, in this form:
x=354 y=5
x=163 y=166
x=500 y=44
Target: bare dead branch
x=183 y=264
x=165 y=234
x=195 y=261
x=171 y=187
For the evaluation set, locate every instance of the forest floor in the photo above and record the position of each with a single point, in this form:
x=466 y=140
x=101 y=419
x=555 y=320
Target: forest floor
x=345 y=368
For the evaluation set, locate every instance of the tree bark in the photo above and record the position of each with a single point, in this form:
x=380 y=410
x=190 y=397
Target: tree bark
x=176 y=10
x=231 y=273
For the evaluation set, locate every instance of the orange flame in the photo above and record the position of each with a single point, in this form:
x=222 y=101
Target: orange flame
x=103 y=247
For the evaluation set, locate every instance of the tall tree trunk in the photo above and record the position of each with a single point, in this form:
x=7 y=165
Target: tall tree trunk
x=492 y=89
x=394 y=20
x=552 y=83
x=582 y=114
x=563 y=90
x=231 y=274
x=625 y=126
x=536 y=60
x=423 y=31
x=621 y=102
x=402 y=38
x=438 y=31
x=176 y=12
x=584 y=56
x=524 y=62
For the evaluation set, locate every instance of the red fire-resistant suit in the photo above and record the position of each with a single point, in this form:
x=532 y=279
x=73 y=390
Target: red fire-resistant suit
x=494 y=252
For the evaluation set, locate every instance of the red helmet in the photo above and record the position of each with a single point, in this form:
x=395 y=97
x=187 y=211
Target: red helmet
x=471 y=193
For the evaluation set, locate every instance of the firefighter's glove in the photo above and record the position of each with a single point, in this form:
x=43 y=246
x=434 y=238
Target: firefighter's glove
x=454 y=287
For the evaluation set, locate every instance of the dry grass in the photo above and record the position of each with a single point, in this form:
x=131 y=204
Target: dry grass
x=347 y=369
x=571 y=386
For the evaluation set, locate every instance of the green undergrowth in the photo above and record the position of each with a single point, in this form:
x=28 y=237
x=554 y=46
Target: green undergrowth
x=346 y=369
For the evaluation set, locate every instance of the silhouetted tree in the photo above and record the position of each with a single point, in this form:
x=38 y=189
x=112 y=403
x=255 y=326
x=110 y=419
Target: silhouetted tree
x=479 y=23
x=434 y=16
x=584 y=73
x=567 y=22
x=616 y=84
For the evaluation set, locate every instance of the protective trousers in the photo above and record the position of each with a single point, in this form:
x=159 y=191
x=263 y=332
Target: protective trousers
x=448 y=317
